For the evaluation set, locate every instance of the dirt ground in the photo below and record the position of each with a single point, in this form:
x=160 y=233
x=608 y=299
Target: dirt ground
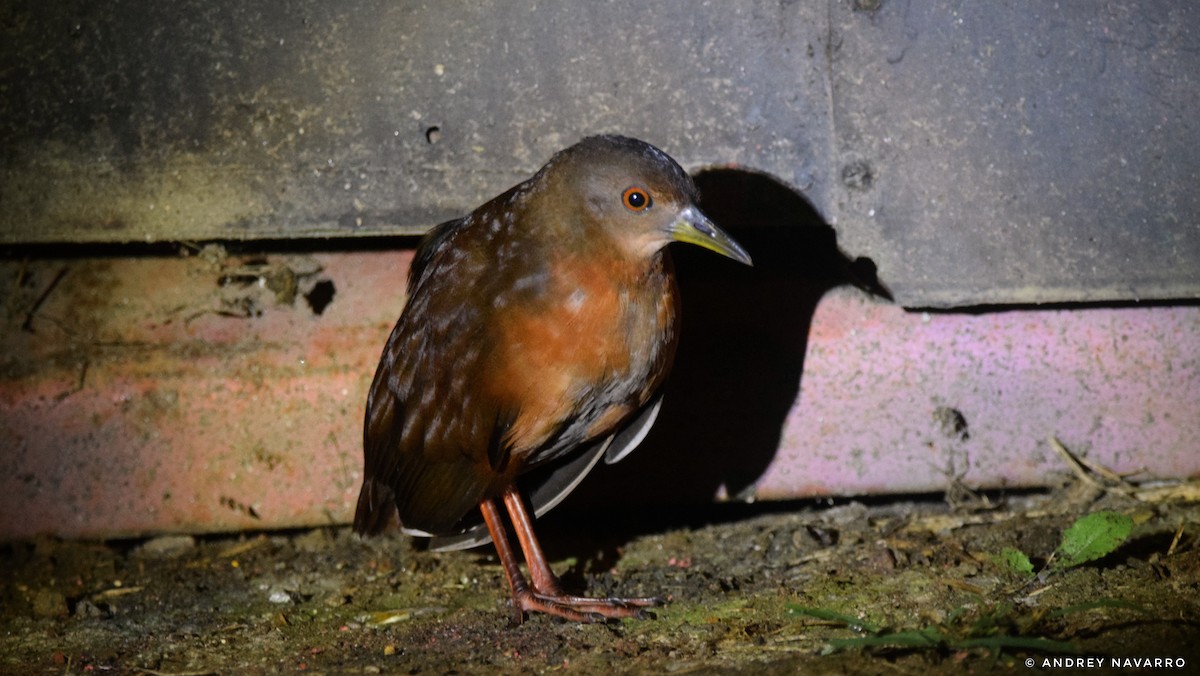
x=327 y=601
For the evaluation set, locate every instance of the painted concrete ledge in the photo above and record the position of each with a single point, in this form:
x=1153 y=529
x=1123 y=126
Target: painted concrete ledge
x=208 y=393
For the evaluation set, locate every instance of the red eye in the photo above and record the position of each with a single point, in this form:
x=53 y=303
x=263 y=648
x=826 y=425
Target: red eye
x=636 y=199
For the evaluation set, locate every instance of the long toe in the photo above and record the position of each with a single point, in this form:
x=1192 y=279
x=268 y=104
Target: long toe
x=585 y=609
x=599 y=605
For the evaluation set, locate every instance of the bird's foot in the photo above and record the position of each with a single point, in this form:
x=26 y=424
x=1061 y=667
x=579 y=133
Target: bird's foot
x=582 y=608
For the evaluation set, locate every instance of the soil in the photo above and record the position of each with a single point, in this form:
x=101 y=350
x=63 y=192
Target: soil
x=733 y=576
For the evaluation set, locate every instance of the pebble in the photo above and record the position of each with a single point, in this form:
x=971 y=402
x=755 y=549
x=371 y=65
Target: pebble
x=167 y=546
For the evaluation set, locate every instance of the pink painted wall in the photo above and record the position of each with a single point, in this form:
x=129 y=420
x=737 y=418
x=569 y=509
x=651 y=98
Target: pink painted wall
x=127 y=406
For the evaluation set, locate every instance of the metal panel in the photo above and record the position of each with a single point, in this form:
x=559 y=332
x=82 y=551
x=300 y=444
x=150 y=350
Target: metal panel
x=978 y=152
x=1017 y=153
x=219 y=119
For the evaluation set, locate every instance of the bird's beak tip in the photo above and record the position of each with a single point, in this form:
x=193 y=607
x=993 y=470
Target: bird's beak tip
x=693 y=227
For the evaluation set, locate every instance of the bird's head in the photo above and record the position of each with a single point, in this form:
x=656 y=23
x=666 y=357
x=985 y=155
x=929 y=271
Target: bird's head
x=637 y=194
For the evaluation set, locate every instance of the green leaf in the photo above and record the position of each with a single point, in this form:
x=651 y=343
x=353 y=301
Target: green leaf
x=1015 y=560
x=831 y=616
x=912 y=639
x=1092 y=537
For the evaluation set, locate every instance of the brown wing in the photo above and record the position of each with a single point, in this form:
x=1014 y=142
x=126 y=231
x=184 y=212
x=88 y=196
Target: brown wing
x=427 y=436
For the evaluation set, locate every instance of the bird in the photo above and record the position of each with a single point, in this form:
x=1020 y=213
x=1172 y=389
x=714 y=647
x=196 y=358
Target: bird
x=535 y=339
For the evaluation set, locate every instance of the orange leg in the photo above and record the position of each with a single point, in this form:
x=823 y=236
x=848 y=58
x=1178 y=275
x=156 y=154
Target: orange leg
x=547 y=595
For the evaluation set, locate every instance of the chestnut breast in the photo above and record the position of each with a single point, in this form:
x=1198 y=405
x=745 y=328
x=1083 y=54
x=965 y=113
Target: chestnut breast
x=585 y=345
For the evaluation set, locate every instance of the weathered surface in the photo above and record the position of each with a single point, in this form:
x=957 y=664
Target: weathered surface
x=979 y=153
x=219 y=392
x=1000 y=154
x=300 y=119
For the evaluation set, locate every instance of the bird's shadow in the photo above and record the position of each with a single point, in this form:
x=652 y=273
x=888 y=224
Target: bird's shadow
x=738 y=370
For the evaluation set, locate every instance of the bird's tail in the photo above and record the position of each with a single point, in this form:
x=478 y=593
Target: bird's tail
x=376 y=505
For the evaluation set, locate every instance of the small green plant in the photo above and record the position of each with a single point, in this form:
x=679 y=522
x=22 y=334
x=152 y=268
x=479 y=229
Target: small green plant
x=1015 y=560
x=997 y=627
x=994 y=628
x=1090 y=537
